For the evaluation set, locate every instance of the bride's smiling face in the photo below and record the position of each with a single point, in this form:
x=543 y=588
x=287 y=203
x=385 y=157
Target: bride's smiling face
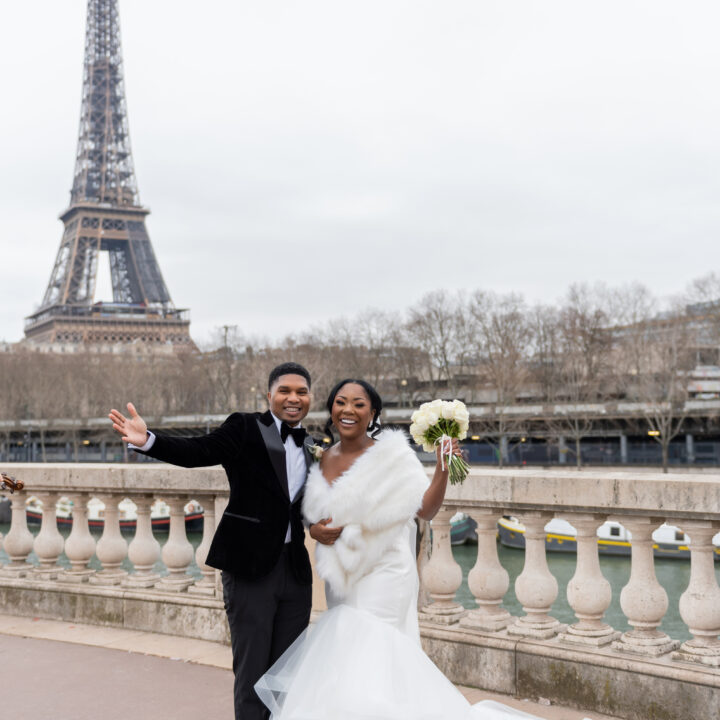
x=351 y=411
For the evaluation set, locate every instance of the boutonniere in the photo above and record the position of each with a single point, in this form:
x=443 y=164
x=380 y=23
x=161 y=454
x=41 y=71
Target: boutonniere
x=316 y=451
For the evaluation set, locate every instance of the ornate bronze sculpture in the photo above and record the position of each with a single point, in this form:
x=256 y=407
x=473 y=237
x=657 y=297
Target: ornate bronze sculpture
x=10 y=484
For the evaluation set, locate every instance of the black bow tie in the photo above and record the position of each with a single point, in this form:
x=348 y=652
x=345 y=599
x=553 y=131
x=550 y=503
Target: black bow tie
x=298 y=433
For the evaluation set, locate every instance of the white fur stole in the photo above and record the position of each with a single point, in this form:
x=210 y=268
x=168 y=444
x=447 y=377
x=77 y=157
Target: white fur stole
x=372 y=501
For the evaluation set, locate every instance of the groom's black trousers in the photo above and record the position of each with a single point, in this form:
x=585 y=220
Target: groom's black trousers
x=265 y=616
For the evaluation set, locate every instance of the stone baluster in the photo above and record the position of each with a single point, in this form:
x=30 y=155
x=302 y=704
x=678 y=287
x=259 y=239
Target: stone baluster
x=80 y=546
x=111 y=548
x=205 y=586
x=144 y=549
x=589 y=594
x=488 y=580
x=177 y=552
x=442 y=576
x=700 y=603
x=19 y=541
x=49 y=542
x=536 y=587
x=643 y=600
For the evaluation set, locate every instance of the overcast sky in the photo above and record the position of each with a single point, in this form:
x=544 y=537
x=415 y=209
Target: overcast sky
x=308 y=159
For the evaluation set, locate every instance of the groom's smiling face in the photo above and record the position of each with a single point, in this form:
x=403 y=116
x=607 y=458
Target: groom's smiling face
x=289 y=398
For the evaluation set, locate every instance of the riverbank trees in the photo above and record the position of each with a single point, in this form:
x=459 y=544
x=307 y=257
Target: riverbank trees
x=494 y=351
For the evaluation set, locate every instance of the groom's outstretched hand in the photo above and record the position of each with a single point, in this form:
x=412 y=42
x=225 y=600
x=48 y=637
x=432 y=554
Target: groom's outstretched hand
x=132 y=429
x=323 y=534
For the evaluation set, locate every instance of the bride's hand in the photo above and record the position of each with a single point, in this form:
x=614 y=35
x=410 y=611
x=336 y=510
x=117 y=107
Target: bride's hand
x=323 y=534
x=456 y=450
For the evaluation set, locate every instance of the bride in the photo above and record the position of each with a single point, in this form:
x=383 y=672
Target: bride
x=362 y=659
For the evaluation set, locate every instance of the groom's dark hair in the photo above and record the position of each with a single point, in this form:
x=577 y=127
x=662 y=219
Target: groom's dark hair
x=288 y=368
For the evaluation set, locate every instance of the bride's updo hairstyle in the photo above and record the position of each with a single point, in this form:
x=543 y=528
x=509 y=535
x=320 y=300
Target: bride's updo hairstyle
x=375 y=405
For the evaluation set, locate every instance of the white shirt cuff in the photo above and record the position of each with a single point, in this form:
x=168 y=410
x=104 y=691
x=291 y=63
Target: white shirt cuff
x=148 y=443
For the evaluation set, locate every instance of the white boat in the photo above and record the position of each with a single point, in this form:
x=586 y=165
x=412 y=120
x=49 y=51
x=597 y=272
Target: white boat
x=669 y=541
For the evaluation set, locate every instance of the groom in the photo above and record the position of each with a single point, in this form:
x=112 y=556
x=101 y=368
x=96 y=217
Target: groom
x=259 y=542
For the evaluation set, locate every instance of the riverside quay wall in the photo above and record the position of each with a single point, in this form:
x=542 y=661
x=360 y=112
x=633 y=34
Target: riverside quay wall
x=640 y=674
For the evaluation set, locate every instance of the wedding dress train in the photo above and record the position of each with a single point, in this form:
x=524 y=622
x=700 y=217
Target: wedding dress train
x=362 y=659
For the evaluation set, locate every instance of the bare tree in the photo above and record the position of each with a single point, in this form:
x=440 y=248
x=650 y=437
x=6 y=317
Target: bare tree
x=483 y=348
x=363 y=346
x=702 y=300
x=409 y=361
x=503 y=337
x=660 y=385
x=705 y=289
x=582 y=365
x=545 y=350
x=432 y=325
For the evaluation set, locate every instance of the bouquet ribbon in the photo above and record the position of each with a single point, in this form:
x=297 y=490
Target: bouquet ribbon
x=445 y=442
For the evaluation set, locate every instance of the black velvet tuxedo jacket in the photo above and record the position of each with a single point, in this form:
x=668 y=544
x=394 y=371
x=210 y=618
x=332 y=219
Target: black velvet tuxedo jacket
x=251 y=533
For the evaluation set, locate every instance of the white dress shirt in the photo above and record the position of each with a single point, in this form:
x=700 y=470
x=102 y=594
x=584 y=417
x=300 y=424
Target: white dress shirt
x=295 y=466
x=148 y=443
x=295 y=463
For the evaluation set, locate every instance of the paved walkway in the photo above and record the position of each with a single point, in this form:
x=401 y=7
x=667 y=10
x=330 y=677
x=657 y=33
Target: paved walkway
x=55 y=670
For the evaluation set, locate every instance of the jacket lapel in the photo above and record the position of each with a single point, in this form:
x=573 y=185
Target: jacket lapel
x=275 y=448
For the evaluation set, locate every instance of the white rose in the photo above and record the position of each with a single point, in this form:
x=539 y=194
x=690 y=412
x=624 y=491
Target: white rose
x=448 y=410
x=422 y=421
x=436 y=405
x=462 y=415
x=427 y=447
x=433 y=416
x=418 y=434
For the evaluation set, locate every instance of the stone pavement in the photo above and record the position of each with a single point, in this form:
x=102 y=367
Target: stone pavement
x=53 y=670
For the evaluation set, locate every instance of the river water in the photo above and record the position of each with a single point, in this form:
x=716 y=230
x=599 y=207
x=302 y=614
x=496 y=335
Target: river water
x=194 y=538
x=673 y=575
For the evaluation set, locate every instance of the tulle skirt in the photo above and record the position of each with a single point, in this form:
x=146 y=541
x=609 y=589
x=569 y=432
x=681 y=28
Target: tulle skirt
x=352 y=666
x=362 y=659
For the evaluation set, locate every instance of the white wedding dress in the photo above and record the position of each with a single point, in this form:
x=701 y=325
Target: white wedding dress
x=362 y=659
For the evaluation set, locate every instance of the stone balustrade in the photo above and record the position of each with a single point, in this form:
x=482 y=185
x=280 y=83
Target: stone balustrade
x=652 y=673
x=111 y=485
x=640 y=502
x=638 y=674
x=133 y=580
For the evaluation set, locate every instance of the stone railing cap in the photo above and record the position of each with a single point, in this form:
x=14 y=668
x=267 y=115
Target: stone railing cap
x=157 y=478
x=608 y=492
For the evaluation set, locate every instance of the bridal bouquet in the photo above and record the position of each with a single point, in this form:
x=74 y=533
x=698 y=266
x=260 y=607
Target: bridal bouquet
x=436 y=423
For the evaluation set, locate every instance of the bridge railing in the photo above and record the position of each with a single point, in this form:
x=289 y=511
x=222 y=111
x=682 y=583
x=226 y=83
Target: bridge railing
x=135 y=583
x=641 y=502
x=112 y=484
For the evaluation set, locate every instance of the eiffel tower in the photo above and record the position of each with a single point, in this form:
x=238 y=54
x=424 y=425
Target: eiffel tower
x=105 y=215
